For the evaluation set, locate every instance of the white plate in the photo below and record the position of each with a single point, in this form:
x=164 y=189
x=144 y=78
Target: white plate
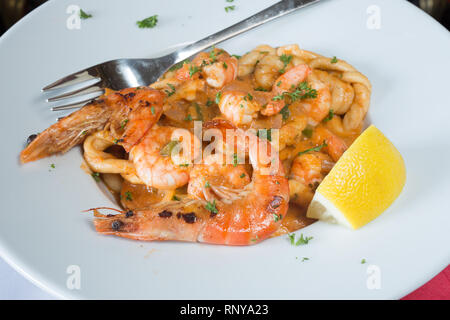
x=42 y=229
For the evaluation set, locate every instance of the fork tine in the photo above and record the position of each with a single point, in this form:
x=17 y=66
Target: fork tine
x=74 y=78
x=78 y=104
x=97 y=87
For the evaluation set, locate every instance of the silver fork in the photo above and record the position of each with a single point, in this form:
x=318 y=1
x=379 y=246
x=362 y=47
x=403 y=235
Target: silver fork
x=124 y=73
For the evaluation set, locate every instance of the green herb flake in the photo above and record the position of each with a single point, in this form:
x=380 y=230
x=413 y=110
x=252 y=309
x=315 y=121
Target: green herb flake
x=207 y=185
x=261 y=89
x=209 y=103
x=305 y=259
x=303 y=240
x=218 y=97
x=277 y=217
x=84 y=15
x=184 y=165
x=167 y=149
x=329 y=116
x=286 y=59
x=152 y=109
x=149 y=22
x=52 y=166
x=230 y=8
x=316 y=149
x=211 y=207
x=235 y=159
x=188 y=118
x=292 y=238
x=96 y=176
x=236 y=56
x=363 y=261
x=123 y=123
x=242 y=176
x=334 y=60
x=225 y=66
x=128 y=196
x=193 y=70
x=198 y=110
x=172 y=89
x=175 y=198
x=307 y=132
x=285 y=113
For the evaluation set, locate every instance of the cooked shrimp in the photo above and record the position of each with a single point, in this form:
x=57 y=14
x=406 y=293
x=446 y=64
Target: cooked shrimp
x=217 y=67
x=248 y=219
x=319 y=107
x=238 y=107
x=215 y=178
x=285 y=83
x=267 y=70
x=249 y=60
x=163 y=158
x=335 y=146
x=128 y=113
x=307 y=171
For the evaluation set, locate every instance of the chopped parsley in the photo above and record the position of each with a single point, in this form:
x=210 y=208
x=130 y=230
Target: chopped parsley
x=285 y=113
x=318 y=148
x=235 y=159
x=261 y=89
x=225 y=66
x=167 y=149
x=178 y=65
x=188 y=118
x=363 y=261
x=152 y=109
x=301 y=241
x=198 y=110
x=307 y=132
x=218 y=97
x=334 y=60
x=248 y=97
x=265 y=134
x=211 y=207
x=277 y=217
x=329 y=116
x=172 y=89
x=193 y=70
x=123 y=123
x=230 y=8
x=207 y=185
x=286 y=60
x=184 y=165
x=149 y=22
x=236 y=56
x=96 y=176
x=128 y=196
x=52 y=166
x=305 y=259
x=175 y=198
x=242 y=175
x=209 y=103
x=84 y=15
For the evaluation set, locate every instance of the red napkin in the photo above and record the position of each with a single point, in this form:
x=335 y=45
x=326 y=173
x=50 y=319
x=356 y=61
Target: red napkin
x=437 y=288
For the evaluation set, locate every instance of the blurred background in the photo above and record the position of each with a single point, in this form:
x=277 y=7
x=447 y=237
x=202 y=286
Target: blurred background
x=12 y=10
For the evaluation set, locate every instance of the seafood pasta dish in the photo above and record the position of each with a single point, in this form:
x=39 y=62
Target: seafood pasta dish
x=223 y=149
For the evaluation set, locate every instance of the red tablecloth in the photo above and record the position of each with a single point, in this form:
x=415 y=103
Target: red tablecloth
x=437 y=288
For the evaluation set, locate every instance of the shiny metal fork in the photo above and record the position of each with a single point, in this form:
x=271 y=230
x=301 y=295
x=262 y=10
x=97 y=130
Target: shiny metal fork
x=124 y=73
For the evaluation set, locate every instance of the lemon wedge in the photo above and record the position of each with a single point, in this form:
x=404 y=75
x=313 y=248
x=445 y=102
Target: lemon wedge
x=364 y=182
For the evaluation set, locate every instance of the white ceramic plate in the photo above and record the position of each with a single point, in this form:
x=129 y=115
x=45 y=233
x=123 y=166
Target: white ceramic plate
x=42 y=229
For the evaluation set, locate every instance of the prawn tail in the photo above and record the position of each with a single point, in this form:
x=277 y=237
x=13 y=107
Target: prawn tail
x=67 y=132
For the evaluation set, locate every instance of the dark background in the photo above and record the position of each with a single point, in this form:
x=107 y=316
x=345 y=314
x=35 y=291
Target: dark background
x=12 y=10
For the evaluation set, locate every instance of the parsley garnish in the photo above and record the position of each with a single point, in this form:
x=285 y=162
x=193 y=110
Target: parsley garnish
x=184 y=165
x=230 y=8
x=209 y=103
x=149 y=22
x=188 y=118
x=96 y=176
x=277 y=217
x=175 y=198
x=167 y=149
x=123 y=123
x=285 y=113
x=225 y=66
x=236 y=56
x=301 y=241
x=218 y=97
x=193 y=70
x=235 y=159
x=178 y=65
x=128 y=196
x=265 y=134
x=198 y=110
x=52 y=166
x=242 y=175
x=171 y=86
x=207 y=185
x=261 y=89
x=211 y=207
x=334 y=60
x=329 y=116
x=286 y=60
x=152 y=109
x=363 y=261
x=305 y=259
x=84 y=15
x=307 y=132
x=318 y=148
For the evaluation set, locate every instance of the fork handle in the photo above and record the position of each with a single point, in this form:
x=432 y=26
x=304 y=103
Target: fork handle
x=277 y=10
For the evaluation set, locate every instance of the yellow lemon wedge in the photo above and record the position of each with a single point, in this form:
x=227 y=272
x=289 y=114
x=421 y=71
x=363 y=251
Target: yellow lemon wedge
x=364 y=182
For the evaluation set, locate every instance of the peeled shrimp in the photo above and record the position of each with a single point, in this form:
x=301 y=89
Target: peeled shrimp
x=238 y=107
x=335 y=146
x=168 y=170
x=316 y=109
x=285 y=83
x=246 y=220
x=128 y=113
